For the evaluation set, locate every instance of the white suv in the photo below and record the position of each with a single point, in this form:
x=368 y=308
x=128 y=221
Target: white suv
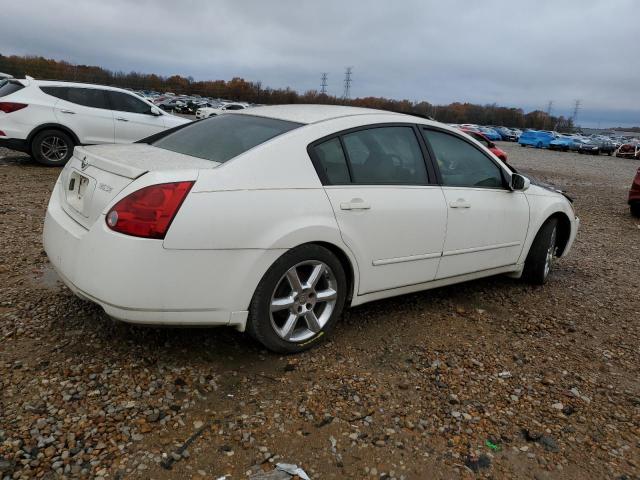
x=47 y=119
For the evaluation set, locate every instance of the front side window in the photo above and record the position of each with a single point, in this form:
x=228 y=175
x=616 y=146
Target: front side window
x=223 y=137
x=123 y=102
x=385 y=155
x=460 y=163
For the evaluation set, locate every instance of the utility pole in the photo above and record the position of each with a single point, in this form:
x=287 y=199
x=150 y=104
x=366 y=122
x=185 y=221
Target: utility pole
x=323 y=84
x=347 y=83
x=576 y=109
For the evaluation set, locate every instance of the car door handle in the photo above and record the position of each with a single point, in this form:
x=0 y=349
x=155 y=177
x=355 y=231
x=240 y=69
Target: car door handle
x=68 y=111
x=121 y=119
x=460 y=203
x=355 y=204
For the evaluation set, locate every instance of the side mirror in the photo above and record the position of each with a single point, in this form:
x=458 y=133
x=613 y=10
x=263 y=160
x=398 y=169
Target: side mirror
x=156 y=111
x=491 y=144
x=519 y=182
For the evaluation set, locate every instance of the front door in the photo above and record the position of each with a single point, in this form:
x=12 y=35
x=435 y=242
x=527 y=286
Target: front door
x=133 y=118
x=487 y=222
x=389 y=214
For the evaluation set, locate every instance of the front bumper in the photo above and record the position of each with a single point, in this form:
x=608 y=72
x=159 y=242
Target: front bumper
x=139 y=281
x=575 y=226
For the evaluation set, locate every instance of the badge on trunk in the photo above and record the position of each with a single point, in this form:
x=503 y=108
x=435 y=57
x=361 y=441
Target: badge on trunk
x=85 y=163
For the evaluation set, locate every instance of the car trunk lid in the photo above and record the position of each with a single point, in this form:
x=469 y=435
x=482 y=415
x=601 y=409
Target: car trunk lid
x=95 y=175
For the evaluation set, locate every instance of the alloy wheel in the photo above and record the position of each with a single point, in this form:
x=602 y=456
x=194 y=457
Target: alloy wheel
x=54 y=148
x=551 y=251
x=303 y=301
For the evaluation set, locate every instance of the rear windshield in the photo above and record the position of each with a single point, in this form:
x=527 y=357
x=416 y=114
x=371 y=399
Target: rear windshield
x=7 y=87
x=223 y=137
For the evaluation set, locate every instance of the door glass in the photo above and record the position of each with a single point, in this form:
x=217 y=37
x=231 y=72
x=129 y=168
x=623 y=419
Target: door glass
x=88 y=97
x=461 y=164
x=124 y=102
x=333 y=162
x=385 y=155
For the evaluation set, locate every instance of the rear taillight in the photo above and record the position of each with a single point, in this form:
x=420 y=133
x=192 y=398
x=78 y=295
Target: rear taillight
x=148 y=212
x=8 y=107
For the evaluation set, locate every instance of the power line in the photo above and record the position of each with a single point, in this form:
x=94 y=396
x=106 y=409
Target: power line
x=347 y=83
x=323 y=84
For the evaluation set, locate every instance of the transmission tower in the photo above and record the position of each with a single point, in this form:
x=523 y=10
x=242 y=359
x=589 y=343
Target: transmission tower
x=347 y=83
x=576 y=109
x=323 y=84
x=548 y=117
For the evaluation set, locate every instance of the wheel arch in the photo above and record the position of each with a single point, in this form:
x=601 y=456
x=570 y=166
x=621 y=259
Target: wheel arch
x=564 y=230
x=52 y=126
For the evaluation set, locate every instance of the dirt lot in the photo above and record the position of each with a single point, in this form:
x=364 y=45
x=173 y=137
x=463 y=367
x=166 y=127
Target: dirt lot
x=492 y=378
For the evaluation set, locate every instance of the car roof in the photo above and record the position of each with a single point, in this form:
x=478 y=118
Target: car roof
x=302 y=113
x=60 y=83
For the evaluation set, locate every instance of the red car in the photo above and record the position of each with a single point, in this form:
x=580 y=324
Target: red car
x=629 y=150
x=501 y=154
x=634 y=196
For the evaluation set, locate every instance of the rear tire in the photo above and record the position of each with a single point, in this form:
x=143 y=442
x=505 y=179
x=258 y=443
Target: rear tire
x=52 y=148
x=540 y=259
x=299 y=300
x=634 y=208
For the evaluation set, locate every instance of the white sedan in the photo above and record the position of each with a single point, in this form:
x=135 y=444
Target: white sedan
x=273 y=219
x=206 y=112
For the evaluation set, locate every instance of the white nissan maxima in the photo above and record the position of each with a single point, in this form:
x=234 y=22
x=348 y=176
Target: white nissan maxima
x=273 y=219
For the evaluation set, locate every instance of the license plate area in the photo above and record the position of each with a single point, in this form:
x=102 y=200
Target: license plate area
x=79 y=192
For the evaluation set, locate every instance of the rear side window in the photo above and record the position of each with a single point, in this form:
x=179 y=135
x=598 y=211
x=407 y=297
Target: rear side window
x=333 y=162
x=223 y=137
x=7 y=87
x=123 y=102
x=385 y=155
x=87 y=97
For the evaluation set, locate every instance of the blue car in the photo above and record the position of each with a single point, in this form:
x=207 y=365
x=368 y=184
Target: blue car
x=536 y=138
x=491 y=134
x=564 y=143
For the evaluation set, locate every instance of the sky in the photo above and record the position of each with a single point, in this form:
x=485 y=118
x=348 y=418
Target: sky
x=510 y=52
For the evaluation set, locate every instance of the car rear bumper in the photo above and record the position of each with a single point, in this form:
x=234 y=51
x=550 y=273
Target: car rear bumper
x=14 y=144
x=139 y=281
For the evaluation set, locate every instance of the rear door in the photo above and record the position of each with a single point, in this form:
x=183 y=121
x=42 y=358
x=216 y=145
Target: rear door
x=487 y=222
x=133 y=118
x=85 y=111
x=390 y=213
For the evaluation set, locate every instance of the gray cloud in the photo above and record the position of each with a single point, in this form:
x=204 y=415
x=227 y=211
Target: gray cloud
x=515 y=53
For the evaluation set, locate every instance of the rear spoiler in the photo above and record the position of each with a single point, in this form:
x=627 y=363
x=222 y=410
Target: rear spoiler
x=25 y=82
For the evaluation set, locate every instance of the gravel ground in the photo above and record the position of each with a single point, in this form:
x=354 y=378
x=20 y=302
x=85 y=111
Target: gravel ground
x=491 y=378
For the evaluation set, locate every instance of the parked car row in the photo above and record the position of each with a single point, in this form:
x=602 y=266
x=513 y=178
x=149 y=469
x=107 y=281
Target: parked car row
x=593 y=144
x=493 y=133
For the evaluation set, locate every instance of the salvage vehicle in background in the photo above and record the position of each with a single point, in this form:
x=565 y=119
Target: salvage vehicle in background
x=634 y=196
x=207 y=112
x=508 y=134
x=565 y=143
x=596 y=146
x=628 y=150
x=482 y=138
x=536 y=138
x=273 y=219
x=47 y=119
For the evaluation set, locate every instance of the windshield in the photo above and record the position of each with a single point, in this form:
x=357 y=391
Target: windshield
x=223 y=137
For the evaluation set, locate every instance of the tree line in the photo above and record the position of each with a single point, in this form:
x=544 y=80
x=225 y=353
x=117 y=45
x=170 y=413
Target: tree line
x=239 y=89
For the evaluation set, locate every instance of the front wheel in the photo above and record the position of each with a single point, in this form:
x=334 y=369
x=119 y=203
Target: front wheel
x=543 y=250
x=299 y=300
